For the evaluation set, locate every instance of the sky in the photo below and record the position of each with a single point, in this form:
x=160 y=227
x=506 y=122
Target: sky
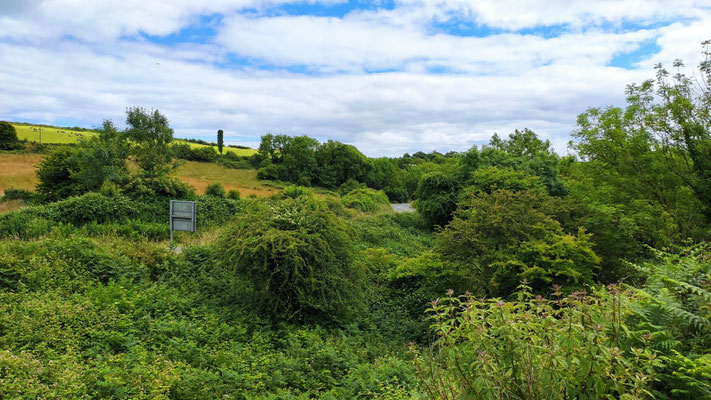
x=388 y=76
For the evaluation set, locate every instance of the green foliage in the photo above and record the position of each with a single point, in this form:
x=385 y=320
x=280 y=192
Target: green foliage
x=299 y=160
x=216 y=210
x=8 y=137
x=366 y=200
x=294 y=192
x=493 y=178
x=338 y=162
x=55 y=174
x=535 y=348
x=200 y=154
x=509 y=236
x=84 y=168
x=436 y=198
x=270 y=171
x=349 y=186
x=141 y=187
x=20 y=194
x=215 y=189
x=150 y=136
x=297 y=257
x=233 y=194
x=656 y=147
x=674 y=312
x=220 y=140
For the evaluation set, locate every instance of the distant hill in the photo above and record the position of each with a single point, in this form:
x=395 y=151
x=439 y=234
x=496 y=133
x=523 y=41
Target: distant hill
x=59 y=135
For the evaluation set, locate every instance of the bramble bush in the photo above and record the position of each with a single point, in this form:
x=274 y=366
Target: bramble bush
x=215 y=189
x=565 y=347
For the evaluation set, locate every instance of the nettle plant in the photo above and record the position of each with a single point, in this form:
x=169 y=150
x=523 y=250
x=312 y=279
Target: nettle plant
x=565 y=347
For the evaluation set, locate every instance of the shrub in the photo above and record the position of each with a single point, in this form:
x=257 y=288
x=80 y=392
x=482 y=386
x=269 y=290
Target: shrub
x=296 y=191
x=436 y=198
x=70 y=171
x=55 y=177
x=8 y=137
x=297 y=257
x=203 y=154
x=271 y=171
x=231 y=160
x=493 y=178
x=20 y=194
x=92 y=207
x=233 y=194
x=367 y=200
x=213 y=209
x=165 y=187
x=350 y=185
x=533 y=348
x=215 y=189
x=396 y=194
x=506 y=237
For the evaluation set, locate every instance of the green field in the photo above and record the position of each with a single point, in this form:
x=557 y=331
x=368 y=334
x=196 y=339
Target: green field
x=49 y=135
x=62 y=136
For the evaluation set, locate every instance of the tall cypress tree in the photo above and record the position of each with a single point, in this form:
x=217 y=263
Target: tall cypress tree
x=220 y=140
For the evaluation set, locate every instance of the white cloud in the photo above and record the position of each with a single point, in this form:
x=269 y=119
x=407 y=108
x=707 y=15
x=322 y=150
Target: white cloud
x=490 y=84
x=353 y=44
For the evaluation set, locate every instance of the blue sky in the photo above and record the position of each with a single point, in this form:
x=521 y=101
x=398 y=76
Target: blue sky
x=389 y=76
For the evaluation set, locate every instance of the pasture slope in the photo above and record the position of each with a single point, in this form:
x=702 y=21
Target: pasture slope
x=55 y=135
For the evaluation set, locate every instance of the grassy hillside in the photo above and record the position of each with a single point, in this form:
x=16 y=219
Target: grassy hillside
x=63 y=136
x=49 y=135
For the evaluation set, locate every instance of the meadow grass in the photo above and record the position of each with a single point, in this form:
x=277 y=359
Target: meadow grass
x=199 y=175
x=50 y=135
x=18 y=171
x=31 y=133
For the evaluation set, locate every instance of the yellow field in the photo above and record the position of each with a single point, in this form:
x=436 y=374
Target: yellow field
x=18 y=171
x=199 y=175
x=49 y=135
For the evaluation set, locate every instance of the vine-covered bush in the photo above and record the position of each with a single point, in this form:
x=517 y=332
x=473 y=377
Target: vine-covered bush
x=436 y=196
x=367 y=200
x=297 y=256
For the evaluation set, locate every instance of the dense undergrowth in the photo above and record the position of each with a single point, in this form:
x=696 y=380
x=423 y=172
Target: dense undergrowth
x=522 y=275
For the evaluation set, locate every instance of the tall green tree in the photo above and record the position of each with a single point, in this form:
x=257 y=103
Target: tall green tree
x=656 y=149
x=70 y=171
x=339 y=162
x=299 y=160
x=220 y=140
x=150 y=136
x=8 y=137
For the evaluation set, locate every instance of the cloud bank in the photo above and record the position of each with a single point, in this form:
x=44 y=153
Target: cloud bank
x=388 y=77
